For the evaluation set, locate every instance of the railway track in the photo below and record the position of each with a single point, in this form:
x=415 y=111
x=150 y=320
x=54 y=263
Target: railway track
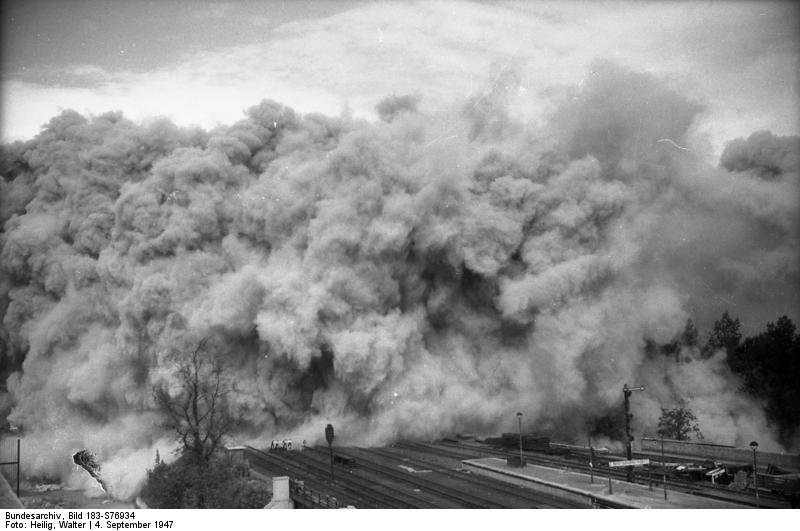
x=510 y=493
x=273 y=465
x=349 y=491
x=377 y=482
x=767 y=499
x=457 y=498
x=320 y=460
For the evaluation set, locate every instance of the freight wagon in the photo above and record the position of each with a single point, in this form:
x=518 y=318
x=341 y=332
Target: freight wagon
x=530 y=442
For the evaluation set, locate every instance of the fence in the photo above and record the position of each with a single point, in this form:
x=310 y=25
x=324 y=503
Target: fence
x=310 y=498
x=9 y=461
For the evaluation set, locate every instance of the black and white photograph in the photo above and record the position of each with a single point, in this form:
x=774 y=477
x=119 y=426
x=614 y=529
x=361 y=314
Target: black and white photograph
x=347 y=255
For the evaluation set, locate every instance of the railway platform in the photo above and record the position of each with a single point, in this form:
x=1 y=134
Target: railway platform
x=576 y=486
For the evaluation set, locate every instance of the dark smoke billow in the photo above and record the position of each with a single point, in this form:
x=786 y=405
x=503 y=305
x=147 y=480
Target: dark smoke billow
x=424 y=274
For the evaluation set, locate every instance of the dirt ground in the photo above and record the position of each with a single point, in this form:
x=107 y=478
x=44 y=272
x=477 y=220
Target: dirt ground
x=58 y=497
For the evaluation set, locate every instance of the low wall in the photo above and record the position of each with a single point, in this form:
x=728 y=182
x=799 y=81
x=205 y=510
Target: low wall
x=720 y=452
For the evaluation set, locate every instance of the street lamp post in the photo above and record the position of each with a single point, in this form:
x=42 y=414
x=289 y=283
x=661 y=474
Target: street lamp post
x=754 y=446
x=519 y=419
x=626 y=391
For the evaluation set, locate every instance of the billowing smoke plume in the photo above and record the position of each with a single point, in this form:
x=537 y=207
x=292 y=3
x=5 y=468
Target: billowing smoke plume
x=424 y=274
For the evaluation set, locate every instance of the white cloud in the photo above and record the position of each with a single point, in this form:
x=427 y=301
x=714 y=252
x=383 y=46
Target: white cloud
x=447 y=51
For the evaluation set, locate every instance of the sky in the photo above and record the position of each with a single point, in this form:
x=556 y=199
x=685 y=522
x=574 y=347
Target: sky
x=205 y=62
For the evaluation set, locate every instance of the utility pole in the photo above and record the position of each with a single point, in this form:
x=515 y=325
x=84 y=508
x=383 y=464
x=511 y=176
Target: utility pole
x=626 y=391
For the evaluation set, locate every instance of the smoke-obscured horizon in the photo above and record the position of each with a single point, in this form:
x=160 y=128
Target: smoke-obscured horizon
x=419 y=276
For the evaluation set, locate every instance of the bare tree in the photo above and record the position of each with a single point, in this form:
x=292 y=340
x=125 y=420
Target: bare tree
x=197 y=408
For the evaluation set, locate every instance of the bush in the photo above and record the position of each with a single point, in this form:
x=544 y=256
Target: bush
x=189 y=483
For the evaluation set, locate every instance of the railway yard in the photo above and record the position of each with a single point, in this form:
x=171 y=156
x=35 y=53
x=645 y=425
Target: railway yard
x=452 y=473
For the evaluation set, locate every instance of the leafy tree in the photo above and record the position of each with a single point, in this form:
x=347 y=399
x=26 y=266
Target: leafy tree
x=197 y=408
x=725 y=334
x=769 y=366
x=191 y=484
x=678 y=423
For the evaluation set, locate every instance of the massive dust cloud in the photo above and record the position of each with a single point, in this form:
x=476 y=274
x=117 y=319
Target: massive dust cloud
x=425 y=274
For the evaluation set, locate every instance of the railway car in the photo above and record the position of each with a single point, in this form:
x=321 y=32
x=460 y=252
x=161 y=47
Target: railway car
x=530 y=442
x=349 y=462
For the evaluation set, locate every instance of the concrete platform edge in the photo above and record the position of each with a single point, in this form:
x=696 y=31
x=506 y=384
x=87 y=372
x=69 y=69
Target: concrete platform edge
x=565 y=492
x=546 y=487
